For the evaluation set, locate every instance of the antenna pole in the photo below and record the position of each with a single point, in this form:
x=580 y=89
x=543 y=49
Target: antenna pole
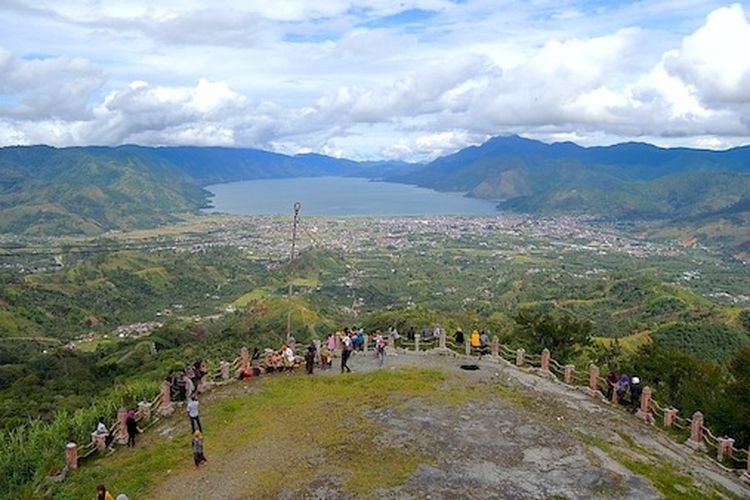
x=292 y=268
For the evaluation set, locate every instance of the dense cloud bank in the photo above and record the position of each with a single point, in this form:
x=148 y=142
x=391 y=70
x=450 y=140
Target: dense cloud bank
x=373 y=80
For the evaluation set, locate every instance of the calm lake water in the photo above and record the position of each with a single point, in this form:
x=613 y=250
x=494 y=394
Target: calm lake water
x=339 y=196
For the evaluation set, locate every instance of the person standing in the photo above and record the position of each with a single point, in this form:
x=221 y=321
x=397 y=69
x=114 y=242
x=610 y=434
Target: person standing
x=635 y=394
x=198 y=456
x=346 y=350
x=310 y=359
x=255 y=362
x=380 y=348
x=192 y=411
x=132 y=427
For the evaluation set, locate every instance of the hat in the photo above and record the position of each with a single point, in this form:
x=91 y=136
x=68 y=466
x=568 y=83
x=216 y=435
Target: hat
x=636 y=380
x=197 y=434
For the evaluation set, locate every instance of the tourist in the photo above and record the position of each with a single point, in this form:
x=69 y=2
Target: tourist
x=310 y=359
x=380 y=348
x=326 y=357
x=622 y=387
x=459 y=337
x=102 y=431
x=192 y=411
x=436 y=333
x=288 y=354
x=331 y=344
x=635 y=394
x=484 y=344
x=189 y=384
x=426 y=334
x=475 y=341
x=394 y=335
x=411 y=334
x=102 y=493
x=198 y=456
x=361 y=339
x=132 y=427
x=101 y=427
x=255 y=362
x=346 y=350
x=268 y=364
x=612 y=379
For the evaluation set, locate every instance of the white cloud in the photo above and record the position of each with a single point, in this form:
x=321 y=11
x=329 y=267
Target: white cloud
x=341 y=77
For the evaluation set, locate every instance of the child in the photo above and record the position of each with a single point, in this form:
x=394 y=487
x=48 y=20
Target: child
x=198 y=456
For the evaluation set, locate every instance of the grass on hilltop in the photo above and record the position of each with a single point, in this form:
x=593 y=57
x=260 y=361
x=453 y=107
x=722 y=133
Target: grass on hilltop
x=318 y=422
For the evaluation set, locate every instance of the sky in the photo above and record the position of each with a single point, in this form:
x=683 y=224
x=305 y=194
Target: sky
x=374 y=79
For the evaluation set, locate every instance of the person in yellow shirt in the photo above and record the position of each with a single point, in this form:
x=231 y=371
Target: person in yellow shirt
x=475 y=342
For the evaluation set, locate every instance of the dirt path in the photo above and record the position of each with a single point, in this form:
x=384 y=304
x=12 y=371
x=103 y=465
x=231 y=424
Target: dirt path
x=525 y=437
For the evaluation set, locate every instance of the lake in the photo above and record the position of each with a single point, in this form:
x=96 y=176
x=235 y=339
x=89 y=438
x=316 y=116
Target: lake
x=339 y=196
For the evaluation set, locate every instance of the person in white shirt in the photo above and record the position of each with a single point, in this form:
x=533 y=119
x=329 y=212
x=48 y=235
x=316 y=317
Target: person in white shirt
x=346 y=350
x=195 y=419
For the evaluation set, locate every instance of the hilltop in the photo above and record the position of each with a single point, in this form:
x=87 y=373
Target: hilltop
x=418 y=427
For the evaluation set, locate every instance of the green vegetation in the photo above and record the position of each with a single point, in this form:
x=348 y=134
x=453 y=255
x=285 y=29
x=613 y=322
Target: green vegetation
x=315 y=417
x=707 y=340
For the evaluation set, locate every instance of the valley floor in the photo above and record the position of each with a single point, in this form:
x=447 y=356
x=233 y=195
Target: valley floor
x=418 y=427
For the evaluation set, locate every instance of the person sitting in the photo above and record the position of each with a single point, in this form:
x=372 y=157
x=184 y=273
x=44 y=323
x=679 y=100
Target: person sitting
x=484 y=344
x=288 y=355
x=612 y=379
x=326 y=359
x=459 y=337
x=255 y=362
x=476 y=342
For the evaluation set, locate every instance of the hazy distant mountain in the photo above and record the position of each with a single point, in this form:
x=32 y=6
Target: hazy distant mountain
x=87 y=190
x=706 y=193
x=507 y=167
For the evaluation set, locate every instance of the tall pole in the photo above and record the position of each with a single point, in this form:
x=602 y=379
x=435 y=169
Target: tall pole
x=292 y=266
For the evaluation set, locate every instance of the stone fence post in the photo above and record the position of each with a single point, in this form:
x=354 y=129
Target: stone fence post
x=495 y=347
x=594 y=378
x=245 y=357
x=144 y=410
x=416 y=343
x=467 y=347
x=520 y=357
x=545 y=361
x=165 y=406
x=442 y=339
x=670 y=416
x=570 y=371
x=122 y=429
x=696 y=433
x=724 y=448
x=646 y=401
x=71 y=455
x=366 y=344
x=224 y=369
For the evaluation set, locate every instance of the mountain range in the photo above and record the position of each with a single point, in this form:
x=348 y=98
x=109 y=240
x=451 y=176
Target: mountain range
x=86 y=190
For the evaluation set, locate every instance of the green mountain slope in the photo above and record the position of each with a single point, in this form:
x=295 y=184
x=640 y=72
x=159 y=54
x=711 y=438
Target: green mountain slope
x=47 y=191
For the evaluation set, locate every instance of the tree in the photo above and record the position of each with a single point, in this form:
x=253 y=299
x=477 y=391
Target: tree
x=563 y=335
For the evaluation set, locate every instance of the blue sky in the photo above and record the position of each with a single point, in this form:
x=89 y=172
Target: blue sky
x=377 y=79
